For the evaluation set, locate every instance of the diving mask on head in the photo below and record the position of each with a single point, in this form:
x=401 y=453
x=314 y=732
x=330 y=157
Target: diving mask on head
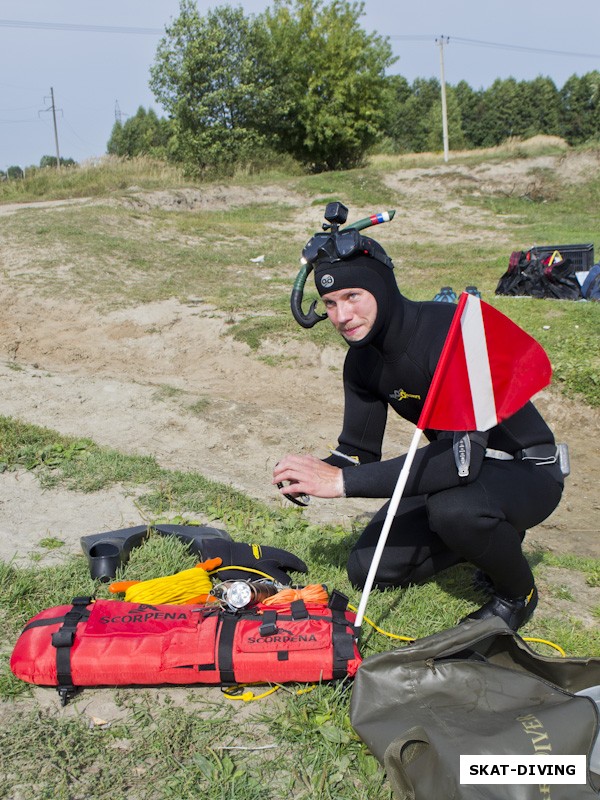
x=334 y=245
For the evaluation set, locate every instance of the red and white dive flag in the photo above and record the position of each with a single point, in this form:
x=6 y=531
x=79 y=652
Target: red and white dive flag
x=488 y=369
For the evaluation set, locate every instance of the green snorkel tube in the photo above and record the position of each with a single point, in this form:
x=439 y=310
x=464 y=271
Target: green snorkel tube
x=336 y=214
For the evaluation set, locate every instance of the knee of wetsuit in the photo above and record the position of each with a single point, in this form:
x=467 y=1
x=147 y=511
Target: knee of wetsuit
x=358 y=568
x=455 y=522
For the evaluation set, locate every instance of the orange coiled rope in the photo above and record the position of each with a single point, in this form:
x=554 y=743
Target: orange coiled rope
x=314 y=593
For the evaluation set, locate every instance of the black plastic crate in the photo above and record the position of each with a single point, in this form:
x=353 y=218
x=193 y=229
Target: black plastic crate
x=580 y=255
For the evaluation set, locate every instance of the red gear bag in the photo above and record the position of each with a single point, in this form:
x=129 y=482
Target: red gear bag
x=115 y=643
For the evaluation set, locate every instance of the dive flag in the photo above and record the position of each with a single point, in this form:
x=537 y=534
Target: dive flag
x=488 y=369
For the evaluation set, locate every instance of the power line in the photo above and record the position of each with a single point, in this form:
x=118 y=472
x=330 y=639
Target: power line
x=497 y=45
x=420 y=37
x=76 y=28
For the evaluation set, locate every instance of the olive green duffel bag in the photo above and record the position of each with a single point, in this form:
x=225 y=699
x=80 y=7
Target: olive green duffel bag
x=476 y=689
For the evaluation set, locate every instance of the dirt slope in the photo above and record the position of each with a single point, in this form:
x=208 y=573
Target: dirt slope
x=67 y=367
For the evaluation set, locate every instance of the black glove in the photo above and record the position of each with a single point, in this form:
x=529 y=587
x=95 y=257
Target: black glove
x=243 y=558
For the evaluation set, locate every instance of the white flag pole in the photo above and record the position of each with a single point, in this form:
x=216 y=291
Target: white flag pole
x=392 y=508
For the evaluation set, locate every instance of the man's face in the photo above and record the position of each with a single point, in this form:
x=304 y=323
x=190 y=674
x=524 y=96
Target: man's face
x=352 y=312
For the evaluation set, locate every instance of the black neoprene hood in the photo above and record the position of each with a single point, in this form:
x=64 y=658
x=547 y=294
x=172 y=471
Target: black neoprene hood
x=361 y=272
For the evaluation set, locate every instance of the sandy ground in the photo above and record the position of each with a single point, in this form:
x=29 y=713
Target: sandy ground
x=100 y=377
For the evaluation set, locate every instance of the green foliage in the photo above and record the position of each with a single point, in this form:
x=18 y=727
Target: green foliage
x=50 y=161
x=303 y=79
x=141 y=135
x=208 y=76
x=331 y=88
x=580 y=98
x=487 y=117
x=409 y=120
x=14 y=173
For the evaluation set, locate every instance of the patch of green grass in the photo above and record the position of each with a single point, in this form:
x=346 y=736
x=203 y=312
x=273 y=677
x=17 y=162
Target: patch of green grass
x=29 y=446
x=200 y=406
x=589 y=566
x=358 y=187
x=563 y=593
x=254 y=330
x=278 y=361
x=91 y=180
x=165 y=392
x=51 y=543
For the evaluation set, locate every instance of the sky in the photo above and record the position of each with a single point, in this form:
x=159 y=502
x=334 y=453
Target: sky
x=96 y=57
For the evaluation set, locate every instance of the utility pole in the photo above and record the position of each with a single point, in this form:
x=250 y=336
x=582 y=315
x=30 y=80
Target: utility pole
x=55 y=129
x=53 y=109
x=440 y=41
x=117 y=112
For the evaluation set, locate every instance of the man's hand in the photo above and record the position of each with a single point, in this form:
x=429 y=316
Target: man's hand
x=308 y=475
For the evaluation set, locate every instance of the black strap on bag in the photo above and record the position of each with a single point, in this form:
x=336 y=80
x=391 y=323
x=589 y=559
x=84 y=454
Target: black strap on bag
x=342 y=633
x=63 y=640
x=228 y=623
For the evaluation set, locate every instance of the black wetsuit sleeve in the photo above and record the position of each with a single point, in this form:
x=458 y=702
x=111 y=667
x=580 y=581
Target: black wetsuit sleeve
x=433 y=469
x=365 y=418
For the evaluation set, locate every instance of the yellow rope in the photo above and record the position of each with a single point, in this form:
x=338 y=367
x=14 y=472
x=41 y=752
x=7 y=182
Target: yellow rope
x=175 y=589
x=244 y=569
x=557 y=647
x=381 y=631
x=545 y=641
x=248 y=696
x=233 y=692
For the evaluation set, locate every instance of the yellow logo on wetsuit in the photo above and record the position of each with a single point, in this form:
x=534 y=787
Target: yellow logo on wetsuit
x=400 y=394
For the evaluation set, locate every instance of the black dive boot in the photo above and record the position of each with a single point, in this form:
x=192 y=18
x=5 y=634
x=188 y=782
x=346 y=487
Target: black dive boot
x=514 y=612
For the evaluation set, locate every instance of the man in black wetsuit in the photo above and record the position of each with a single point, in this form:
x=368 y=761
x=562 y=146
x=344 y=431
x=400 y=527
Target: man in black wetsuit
x=514 y=480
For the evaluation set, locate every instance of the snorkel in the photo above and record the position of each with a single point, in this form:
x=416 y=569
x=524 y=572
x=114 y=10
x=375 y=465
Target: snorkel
x=335 y=243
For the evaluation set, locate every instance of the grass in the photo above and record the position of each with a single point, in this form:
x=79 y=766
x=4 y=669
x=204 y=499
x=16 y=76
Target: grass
x=160 y=748
x=93 y=179
x=116 y=254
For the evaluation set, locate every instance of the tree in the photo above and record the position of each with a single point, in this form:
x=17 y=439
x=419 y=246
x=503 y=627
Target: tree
x=14 y=172
x=472 y=113
x=328 y=80
x=456 y=137
x=580 y=99
x=50 y=161
x=207 y=75
x=540 y=105
x=302 y=78
x=414 y=115
x=504 y=109
x=142 y=134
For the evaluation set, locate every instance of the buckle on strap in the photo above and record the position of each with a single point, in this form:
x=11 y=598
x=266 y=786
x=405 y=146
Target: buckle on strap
x=539 y=453
x=499 y=455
